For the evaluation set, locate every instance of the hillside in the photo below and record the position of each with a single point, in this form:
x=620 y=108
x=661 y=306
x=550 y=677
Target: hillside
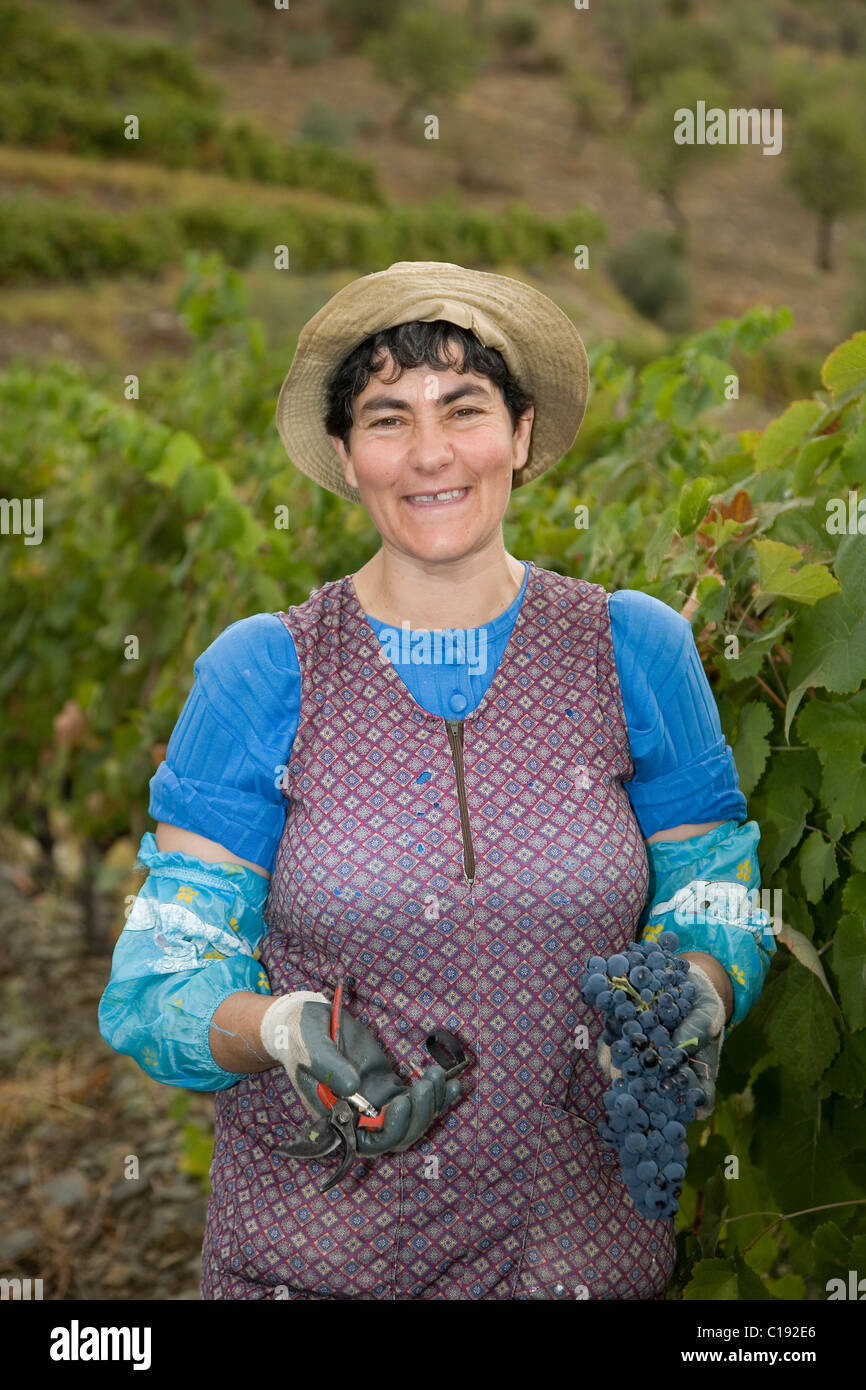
x=512 y=135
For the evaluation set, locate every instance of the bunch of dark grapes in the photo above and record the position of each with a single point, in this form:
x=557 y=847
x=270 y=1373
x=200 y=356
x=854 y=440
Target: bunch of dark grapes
x=643 y=995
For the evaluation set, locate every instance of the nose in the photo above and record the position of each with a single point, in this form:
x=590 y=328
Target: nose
x=429 y=446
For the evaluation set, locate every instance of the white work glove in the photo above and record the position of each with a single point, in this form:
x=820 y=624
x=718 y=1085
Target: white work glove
x=293 y=1033
x=705 y=1025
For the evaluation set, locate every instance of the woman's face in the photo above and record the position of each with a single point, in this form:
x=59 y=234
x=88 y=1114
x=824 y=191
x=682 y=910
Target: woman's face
x=428 y=433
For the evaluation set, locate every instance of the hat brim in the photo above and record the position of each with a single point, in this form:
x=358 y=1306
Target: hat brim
x=539 y=343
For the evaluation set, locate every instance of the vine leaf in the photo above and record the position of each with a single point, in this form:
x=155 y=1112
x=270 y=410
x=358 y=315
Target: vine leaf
x=181 y=452
x=829 y=651
x=850 y=567
x=854 y=896
x=837 y=731
x=725 y=1281
x=849 y=965
x=694 y=496
x=791 y=1125
x=831 y=1246
x=800 y=946
x=858 y=1252
x=781 y=814
x=751 y=1285
x=853 y=460
x=791 y=1288
x=858 y=851
x=786 y=433
x=714 y=1279
x=660 y=543
x=817 y=865
x=845 y=368
x=753 y=653
x=711 y=1222
x=777 y=576
x=847 y=1076
x=802 y=1026
x=752 y=748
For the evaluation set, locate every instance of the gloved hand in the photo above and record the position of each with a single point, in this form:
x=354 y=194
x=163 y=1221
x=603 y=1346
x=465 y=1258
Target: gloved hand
x=706 y=1025
x=296 y=1031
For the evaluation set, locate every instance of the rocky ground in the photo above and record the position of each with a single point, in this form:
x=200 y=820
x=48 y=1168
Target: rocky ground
x=77 y=1120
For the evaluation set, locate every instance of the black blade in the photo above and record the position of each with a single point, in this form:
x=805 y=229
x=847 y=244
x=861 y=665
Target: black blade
x=321 y=1139
x=344 y=1119
x=350 y=1153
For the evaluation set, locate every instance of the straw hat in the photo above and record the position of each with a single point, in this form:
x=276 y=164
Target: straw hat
x=539 y=343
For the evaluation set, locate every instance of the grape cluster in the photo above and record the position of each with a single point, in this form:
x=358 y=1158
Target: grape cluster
x=643 y=995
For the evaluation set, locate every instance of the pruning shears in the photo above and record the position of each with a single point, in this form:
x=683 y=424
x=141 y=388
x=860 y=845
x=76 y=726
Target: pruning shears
x=346 y=1115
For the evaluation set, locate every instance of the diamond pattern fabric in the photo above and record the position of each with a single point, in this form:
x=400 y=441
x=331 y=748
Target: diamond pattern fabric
x=511 y=1194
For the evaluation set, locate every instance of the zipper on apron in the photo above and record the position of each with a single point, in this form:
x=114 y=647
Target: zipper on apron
x=454 y=728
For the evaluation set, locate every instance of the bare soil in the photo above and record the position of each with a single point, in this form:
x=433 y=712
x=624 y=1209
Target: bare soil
x=76 y=1119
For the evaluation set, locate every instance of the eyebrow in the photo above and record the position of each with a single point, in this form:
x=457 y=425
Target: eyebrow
x=394 y=403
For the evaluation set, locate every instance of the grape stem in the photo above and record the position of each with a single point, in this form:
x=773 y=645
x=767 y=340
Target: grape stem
x=621 y=982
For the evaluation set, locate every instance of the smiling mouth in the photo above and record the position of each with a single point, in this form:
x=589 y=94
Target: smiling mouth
x=437 y=499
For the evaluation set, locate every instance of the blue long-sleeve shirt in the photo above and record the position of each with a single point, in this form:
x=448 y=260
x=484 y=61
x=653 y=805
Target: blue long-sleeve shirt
x=222 y=770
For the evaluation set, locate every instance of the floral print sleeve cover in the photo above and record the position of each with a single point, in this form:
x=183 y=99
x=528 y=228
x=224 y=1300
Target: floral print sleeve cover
x=185 y=949
x=703 y=889
x=189 y=942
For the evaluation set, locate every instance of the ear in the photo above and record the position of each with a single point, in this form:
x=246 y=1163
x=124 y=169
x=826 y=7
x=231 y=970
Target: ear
x=345 y=459
x=522 y=436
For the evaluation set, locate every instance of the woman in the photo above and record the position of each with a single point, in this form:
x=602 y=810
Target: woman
x=453 y=834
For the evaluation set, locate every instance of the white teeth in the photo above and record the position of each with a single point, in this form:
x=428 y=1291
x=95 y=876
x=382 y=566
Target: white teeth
x=436 y=496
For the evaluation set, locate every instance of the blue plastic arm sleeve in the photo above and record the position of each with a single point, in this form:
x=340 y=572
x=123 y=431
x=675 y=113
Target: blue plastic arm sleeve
x=189 y=942
x=706 y=890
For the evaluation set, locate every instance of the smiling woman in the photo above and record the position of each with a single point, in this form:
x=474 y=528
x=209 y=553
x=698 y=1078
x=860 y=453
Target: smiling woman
x=434 y=466
x=455 y=839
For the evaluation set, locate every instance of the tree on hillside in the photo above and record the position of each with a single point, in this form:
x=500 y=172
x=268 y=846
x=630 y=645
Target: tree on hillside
x=663 y=164
x=426 y=55
x=650 y=40
x=654 y=51
x=352 y=23
x=827 y=163
x=620 y=22
x=796 y=81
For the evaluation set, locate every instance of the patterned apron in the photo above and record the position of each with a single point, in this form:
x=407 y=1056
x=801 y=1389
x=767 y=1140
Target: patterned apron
x=462 y=871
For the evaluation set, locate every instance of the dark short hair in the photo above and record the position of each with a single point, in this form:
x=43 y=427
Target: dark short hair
x=436 y=344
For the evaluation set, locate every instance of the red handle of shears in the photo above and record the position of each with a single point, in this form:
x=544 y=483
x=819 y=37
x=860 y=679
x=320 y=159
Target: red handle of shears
x=325 y=1094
